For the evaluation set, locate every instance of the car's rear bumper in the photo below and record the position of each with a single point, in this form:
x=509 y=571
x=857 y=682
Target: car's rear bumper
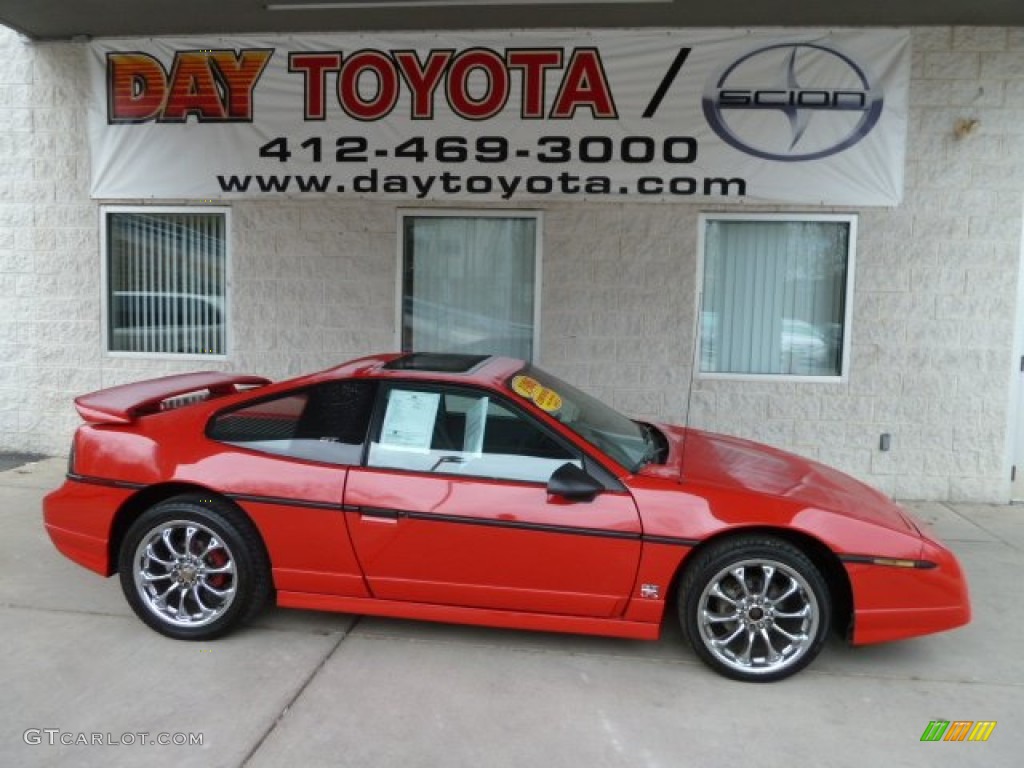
x=79 y=518
x=892 y=603
x=84 y=550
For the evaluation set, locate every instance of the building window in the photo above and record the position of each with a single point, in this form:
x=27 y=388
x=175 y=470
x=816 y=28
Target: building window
x=166 y=280
x=776 y=295
x=469 y=283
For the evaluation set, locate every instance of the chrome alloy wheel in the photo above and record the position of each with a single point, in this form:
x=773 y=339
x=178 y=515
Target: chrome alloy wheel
x=758 y=616
x=184 y=573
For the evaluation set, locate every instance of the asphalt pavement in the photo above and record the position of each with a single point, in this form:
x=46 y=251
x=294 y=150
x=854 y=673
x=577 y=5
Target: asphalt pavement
x=84 y=683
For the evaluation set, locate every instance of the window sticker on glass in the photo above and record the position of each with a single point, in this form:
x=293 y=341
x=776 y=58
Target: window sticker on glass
x=545 y=399
x=476 y=418
x=409 y=420
x=525 y=386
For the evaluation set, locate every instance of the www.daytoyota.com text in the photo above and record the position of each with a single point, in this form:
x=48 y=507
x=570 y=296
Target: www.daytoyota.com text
x=476 y=156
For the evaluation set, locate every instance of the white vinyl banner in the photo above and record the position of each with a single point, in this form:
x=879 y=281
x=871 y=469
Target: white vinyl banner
x=799 y=116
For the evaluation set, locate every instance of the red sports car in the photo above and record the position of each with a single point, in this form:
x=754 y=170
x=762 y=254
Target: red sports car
x=482 y=490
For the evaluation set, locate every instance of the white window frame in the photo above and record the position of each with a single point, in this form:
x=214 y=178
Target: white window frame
x=470 y=213
x=105 y=279
x=849 y=219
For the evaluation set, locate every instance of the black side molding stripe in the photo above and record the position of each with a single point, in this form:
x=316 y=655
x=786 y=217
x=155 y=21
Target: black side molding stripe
x=543 y=527
x=864 y=559
x=892 y=562
x=491 y=523
x=601 y=533
x=671 y=540
x=395 y=514
x=284 y=501
x=235 y=496
x=109 y=482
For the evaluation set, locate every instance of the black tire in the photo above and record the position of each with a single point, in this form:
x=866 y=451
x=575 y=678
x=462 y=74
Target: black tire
x=193 y=568
x=768 y=631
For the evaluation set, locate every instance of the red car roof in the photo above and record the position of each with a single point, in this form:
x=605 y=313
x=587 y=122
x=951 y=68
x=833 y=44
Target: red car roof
x=122 y=404
x=493 y=371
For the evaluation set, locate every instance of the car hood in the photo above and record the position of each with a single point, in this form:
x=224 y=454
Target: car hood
x=709 y=459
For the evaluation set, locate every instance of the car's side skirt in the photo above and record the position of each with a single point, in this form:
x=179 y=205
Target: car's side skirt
x=543 y=622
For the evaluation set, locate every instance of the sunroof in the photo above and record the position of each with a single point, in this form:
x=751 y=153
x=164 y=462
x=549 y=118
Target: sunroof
x=439 y=362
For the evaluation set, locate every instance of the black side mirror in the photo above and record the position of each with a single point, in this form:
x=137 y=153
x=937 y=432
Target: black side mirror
x=571 y=482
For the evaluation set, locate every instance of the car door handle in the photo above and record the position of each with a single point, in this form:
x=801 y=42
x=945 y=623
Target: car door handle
x=376 y=514
x=378 y=519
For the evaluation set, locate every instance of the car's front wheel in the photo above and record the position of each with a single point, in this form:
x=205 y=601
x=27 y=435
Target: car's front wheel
x=754 y=608
x=193 y=568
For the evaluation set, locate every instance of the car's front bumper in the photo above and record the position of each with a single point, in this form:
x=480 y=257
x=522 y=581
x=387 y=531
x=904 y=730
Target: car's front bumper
x=892 y=603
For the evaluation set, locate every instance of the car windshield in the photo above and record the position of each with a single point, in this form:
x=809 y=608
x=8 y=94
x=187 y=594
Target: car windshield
x=629 y=443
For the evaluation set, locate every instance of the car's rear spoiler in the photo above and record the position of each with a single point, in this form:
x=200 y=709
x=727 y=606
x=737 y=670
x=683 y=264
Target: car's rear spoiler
x=121 y=405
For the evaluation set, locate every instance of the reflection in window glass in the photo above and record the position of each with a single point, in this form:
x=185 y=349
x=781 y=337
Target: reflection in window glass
x=468 y=284
x=774 y=296
x=167 y=278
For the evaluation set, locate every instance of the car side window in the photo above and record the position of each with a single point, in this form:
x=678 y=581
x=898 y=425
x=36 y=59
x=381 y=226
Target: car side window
x=464 y=433
x=327 y=423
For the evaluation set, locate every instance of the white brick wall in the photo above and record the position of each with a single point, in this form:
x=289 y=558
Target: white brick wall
x=936 y=295
x=314 y=284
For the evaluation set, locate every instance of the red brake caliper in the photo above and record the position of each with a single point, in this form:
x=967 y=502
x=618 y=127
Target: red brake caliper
x=216 y=559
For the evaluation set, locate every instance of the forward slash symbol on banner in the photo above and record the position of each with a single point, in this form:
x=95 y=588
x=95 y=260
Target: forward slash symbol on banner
x=666 y=82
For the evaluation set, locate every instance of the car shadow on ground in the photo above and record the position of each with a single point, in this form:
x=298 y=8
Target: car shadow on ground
x=15 y=460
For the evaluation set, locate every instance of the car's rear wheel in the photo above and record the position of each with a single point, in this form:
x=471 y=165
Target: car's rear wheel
x=193 y=568
x=754 y=608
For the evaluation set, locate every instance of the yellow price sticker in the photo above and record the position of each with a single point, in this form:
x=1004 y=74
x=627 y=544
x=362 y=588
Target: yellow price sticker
x=547 y=400
x=525 y=386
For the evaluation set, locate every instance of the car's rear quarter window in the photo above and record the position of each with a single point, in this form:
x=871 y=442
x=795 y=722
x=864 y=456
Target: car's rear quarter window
x=327 y=422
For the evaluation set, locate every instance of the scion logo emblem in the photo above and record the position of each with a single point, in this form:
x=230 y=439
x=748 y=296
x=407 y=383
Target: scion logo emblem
x=817 y=103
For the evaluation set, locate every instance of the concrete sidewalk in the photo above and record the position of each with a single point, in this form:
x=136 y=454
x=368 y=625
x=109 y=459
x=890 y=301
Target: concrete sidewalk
x=307 y=689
